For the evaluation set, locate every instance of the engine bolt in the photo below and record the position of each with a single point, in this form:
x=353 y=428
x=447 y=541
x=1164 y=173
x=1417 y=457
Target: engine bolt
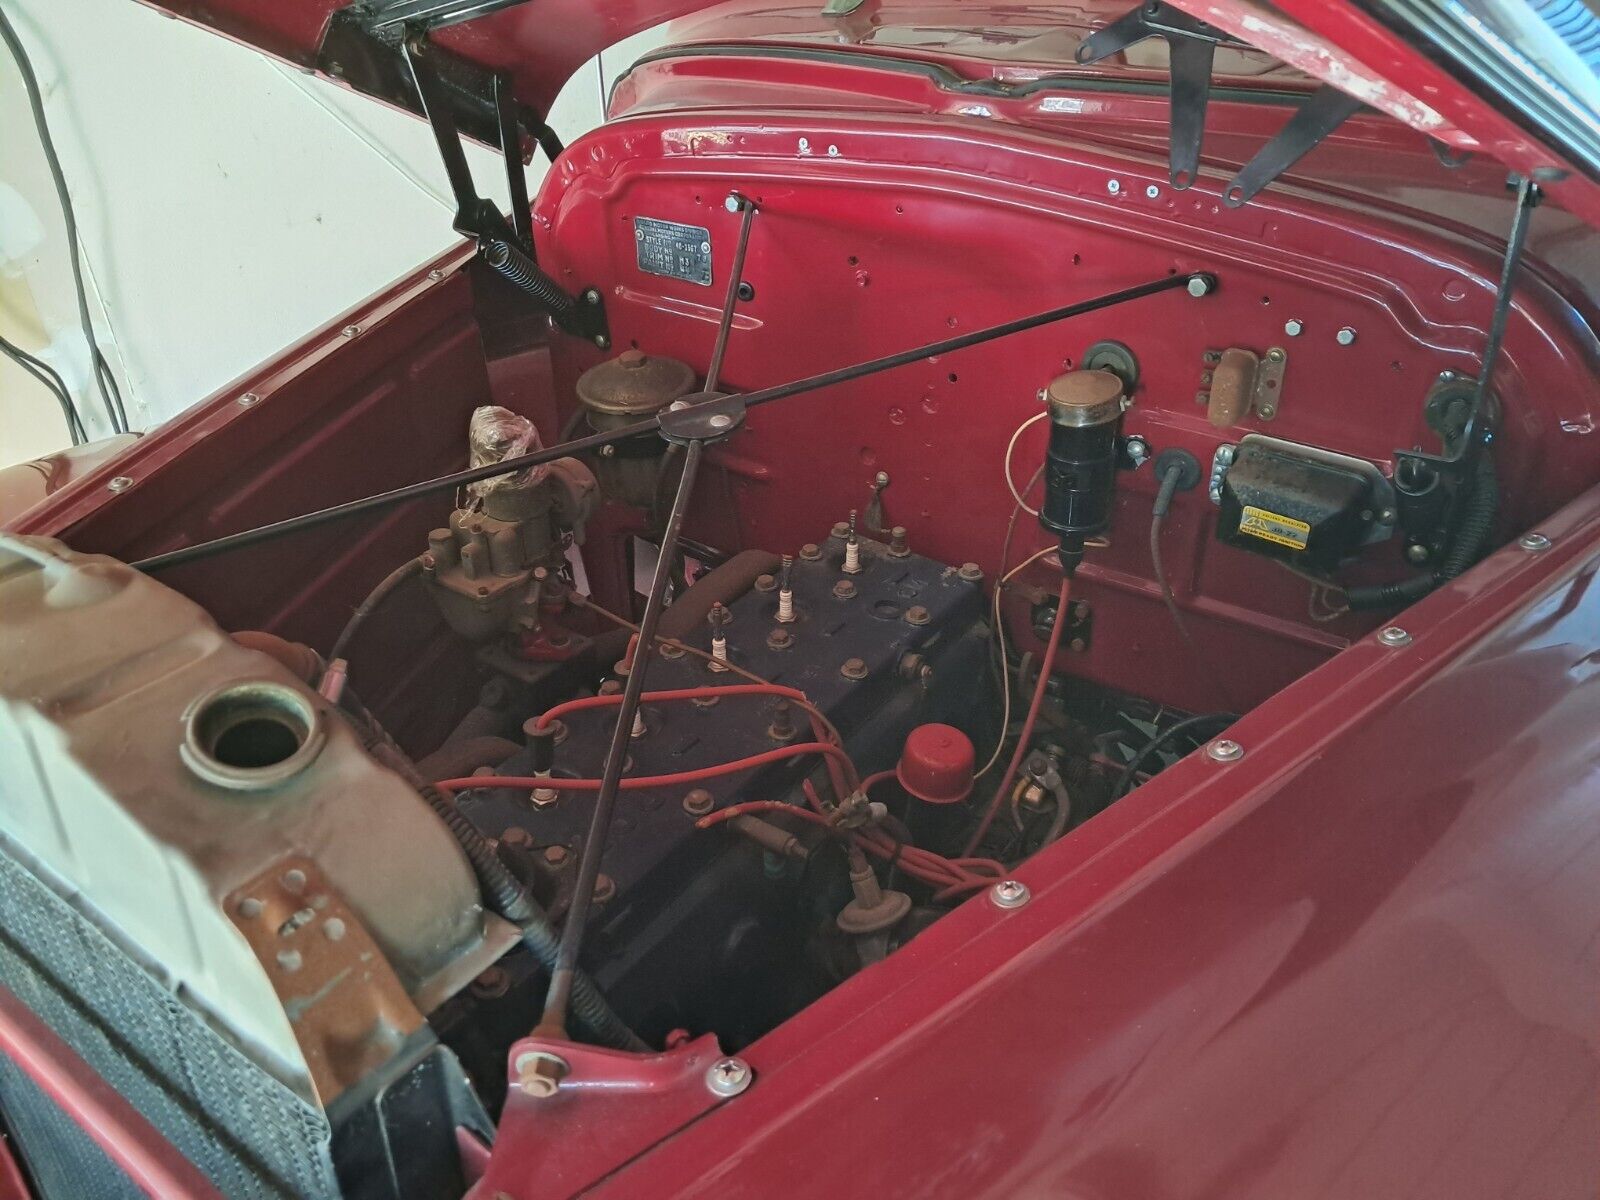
x=697 y=802
x=539 y=1073
x=841 y=530
x=918 y=615
x=670 y=650
x=1010 y=893
x=1225 y=750
x=544 y=797
x=1394 y=636
x=811 y=552
x=517 y=838
x=604 y=888
x=898 y=547
x=766 y=583
x=971 y=572
x=780 y=639
x=844 y=589
x=729 y=1076
x=557 y=856
x=782 y=727
x=854 y=668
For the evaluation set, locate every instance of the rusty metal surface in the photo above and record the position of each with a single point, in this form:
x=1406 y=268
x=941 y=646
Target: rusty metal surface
x=347 y=1007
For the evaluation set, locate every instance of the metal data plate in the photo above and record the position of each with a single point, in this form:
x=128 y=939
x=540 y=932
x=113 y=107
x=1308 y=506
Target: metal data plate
x=674 y=250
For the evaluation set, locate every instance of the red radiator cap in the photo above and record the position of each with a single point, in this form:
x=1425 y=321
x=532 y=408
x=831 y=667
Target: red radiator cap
x=936 y=764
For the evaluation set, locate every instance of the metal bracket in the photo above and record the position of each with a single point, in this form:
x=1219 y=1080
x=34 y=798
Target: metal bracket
x=1191 y=47
x=1324 y=111
x=705 y=418
x=506 y=246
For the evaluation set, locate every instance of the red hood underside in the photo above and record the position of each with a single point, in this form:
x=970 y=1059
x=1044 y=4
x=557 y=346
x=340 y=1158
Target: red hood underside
x=540 y=45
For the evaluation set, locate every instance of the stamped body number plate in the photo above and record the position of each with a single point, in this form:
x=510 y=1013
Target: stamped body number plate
x=674 y=250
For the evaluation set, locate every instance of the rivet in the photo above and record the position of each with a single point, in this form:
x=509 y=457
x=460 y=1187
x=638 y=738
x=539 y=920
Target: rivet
x=1393 y=635
x=248 y=399
x=720 y=421
x=121 y=483
x=1225 y=750
x=350 y=331
x=729 y=1076
x=1010 y=893
x=1534 y=542
x=436 y=274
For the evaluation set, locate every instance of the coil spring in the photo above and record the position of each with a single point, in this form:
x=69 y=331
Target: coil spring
x=516 y=267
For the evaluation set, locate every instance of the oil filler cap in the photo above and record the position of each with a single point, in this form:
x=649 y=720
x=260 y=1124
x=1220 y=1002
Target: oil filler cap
x=936 y=764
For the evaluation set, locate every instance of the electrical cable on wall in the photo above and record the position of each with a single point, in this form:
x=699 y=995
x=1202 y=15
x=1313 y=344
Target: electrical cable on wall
x=106 y=384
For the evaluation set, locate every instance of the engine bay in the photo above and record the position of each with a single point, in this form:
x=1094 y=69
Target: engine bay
x=873 y=648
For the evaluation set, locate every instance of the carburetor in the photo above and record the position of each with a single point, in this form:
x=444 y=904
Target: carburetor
x=493 y=567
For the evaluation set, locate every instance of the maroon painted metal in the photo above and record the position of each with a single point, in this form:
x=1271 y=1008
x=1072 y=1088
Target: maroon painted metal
x=864 y=213
x=119 y=1129
x=611 y=1105
x=1357 y=961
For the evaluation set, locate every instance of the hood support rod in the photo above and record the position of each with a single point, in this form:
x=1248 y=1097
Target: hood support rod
x=1197 y=283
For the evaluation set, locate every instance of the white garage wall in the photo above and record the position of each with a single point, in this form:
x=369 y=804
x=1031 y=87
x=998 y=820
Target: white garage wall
x=226 y=204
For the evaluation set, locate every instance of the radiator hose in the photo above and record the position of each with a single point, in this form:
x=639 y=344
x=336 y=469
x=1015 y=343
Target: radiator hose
x=505 y=893
x=1465 y=548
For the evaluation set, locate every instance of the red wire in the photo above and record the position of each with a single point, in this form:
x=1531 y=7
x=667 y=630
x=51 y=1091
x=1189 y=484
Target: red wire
x=840 y=770
x=698 y=775
x=755 y=806
x=694 y=693
x=1033 y=715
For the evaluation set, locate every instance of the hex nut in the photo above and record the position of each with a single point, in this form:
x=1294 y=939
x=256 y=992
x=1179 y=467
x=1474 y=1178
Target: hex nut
x=854 y=668
x=539 y=1073
x=1345 y=336
x=517 y=838
x=1294 y=327
x=557 y=856
x=728 y=1076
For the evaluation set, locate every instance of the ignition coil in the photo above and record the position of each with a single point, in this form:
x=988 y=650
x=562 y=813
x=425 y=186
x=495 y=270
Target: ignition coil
x=1081 y=463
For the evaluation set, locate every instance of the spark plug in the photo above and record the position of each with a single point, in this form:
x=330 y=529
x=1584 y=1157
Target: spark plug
x=852 y=549
x=718 y=618
x=786 y=591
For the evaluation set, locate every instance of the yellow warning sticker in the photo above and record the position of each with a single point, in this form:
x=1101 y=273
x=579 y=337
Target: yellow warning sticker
x=1272 y=527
